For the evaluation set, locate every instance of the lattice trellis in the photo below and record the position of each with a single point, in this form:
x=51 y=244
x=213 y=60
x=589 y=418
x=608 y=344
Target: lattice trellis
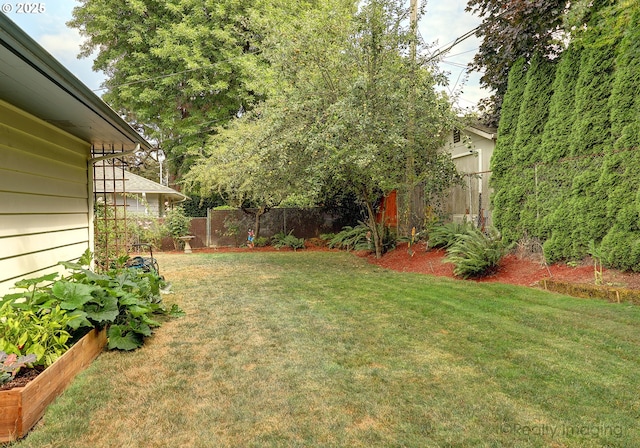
x=110 y=210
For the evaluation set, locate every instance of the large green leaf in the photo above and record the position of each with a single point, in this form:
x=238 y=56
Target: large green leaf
x=141 y=328
x=138 y=311
x=176 y=311
x=122 y=338
x=29 y=282
x=73 y=295
x=78 y=318
x=106 y=310
x=129 y=299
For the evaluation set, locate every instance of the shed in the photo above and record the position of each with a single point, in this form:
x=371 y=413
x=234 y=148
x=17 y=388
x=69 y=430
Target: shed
x=471 y=149
x=52 y=130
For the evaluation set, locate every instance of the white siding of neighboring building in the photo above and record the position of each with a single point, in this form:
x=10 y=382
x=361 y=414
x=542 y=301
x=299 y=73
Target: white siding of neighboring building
x=44 y=197
x=472 y=156
x=151 y=204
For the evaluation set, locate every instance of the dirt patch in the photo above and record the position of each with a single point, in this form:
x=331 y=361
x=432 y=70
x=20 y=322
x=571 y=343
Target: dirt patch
x=22 y=378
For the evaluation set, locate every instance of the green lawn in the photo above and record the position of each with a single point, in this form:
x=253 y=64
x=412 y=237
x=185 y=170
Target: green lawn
x=322 y=349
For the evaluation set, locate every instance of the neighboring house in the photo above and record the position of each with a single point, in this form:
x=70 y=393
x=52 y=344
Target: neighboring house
x=141 y=195
x=51 y=128
x=471 y=150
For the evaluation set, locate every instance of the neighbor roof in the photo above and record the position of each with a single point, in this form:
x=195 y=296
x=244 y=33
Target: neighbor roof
x=133 y=184
x=34 y=81
x=483 y=130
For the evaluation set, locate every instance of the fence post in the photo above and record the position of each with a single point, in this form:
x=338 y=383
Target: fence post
x=208 y=226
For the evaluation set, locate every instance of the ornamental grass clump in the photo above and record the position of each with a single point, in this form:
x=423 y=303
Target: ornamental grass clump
x=475 y=254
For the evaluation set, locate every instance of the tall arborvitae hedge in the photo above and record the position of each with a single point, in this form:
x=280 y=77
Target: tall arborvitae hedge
x=502 y=161
x=586 y=161
x=621 y=171
x=592 y=135
x=554 y=184
x=534 y=111
x=557 y=130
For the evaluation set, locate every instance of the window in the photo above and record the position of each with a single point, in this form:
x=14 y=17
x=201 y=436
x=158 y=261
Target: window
x=456 y=136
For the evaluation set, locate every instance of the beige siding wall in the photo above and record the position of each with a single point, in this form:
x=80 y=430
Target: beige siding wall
x=44 y=196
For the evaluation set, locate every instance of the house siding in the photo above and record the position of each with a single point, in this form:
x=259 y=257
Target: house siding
x=44 y=196
x=472 y=157
x=148 y=205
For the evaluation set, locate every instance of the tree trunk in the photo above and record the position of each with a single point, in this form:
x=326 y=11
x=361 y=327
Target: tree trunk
x=375 y=230
x=259 y=212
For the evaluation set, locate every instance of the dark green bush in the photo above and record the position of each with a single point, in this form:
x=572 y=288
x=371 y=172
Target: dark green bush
x=352 y=238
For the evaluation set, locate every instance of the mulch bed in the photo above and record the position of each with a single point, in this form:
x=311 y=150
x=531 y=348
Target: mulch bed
x=513 y=269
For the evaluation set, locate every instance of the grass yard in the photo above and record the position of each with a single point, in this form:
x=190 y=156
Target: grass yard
x=316 y=349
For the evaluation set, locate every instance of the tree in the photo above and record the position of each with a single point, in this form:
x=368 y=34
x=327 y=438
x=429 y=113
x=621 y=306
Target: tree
x=246 y=165
x=621 y=171
x=177 y=68
x=554 y=191
x=503 y=160
x=350 y=97
x=520 y=29
x=339 y=117
x=534 y=112
x=585 y=163
x=510 y=31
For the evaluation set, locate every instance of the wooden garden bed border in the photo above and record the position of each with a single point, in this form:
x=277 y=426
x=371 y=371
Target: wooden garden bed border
x=587 y=291
x=22 y=407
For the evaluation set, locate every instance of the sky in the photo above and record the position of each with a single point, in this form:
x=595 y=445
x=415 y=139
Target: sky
x=444 y=21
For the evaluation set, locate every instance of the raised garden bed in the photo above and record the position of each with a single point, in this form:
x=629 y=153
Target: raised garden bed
x=22 y=407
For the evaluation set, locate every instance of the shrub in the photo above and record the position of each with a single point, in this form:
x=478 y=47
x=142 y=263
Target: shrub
x=476 y=254
x=123 y=299
x=446 y=235
x=261 y=241
x=352 y=238
x=146 y=229
x=42 y=332
x=177 y=224
x=281 y=240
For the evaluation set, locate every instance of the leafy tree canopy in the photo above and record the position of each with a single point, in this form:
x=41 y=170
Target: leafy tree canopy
x=351 y=110
x=175 y=68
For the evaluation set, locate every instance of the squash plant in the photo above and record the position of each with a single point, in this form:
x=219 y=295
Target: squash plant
x=123 y=299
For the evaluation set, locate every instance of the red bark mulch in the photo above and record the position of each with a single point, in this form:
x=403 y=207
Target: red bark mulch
x=513 y=269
